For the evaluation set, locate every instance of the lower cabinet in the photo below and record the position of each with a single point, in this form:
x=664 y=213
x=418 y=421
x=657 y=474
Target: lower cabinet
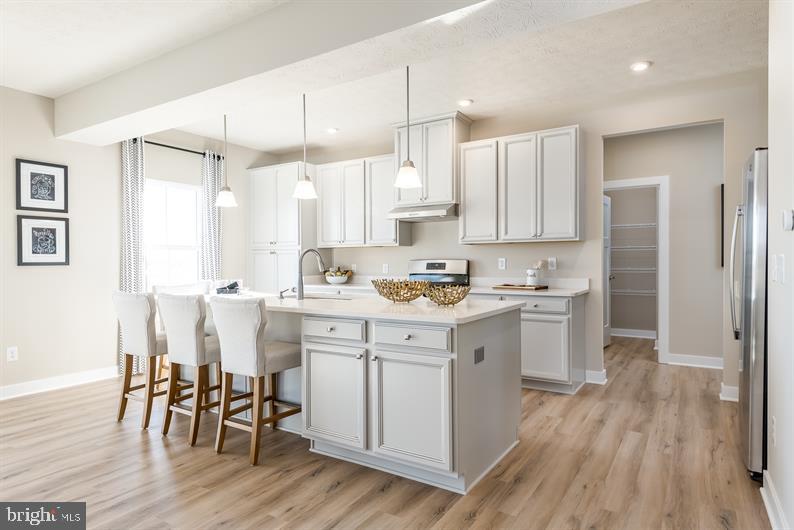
x=274 y=270
x=335 y=393
x=546 y=352
x=411 y=399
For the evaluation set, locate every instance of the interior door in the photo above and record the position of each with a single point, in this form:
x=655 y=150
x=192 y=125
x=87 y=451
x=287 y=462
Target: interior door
x=607 y=272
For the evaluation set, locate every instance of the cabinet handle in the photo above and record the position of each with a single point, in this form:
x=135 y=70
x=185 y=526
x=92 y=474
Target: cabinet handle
x=373 y=358
x=501 y=298
x=535 y=305
x=407 y=336
x=330 y=329
x=359 y=356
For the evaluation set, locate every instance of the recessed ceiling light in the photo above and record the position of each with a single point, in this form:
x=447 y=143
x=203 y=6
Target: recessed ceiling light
x=332 y=130
x=465 y=102
x=640 y=66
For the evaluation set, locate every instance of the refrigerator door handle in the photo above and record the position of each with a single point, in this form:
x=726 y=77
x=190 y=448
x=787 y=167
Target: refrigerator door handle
x=739 y=213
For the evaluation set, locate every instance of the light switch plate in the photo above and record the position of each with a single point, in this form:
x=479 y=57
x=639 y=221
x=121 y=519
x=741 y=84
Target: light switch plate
x=353 y=267
x=552 y=263
x=385 y=268
x=12 y=354
x=780 y=267
x=501 y=263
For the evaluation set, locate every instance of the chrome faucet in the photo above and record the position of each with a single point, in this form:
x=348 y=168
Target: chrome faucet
x=320 y=264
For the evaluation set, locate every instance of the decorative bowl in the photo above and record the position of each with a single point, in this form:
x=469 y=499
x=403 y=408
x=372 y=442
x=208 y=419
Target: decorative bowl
x=336 y=279
x=337 y=275
x=447 y=295
x=400 y=290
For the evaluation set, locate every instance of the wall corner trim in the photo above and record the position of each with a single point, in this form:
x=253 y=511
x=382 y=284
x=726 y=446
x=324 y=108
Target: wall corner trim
x=59 y=381
x=729 y=393
x=774 y=509
x=596 y=377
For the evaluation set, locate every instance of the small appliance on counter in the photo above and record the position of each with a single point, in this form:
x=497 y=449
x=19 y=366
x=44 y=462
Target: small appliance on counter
x=232 y=288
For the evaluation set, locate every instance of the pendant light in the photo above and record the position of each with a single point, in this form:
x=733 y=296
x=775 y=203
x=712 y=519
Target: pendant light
x=304 y=189
x=407 y=175
x=225 y=197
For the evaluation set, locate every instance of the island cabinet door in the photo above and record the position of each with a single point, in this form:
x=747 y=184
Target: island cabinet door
x=334 y=398
x=411 y=400
x=545 y=347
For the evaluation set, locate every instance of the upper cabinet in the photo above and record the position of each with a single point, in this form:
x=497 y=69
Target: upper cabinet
x=274 y=213
x=521 y=188
x=434 y=144
x=354 y=198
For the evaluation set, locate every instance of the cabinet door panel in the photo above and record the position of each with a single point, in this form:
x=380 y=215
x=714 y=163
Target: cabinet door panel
x=353 y=203
x=334 y=399
x=545 y=347
x=263 y=208
x=411 y=398
x=286 y=207
x=557 y=184
x=329 y=205
x=265 y=273
x=478 y=218
x=438 y=149
x=518 y=188
x=287 y=269
x=410 y=196
x=379 y=201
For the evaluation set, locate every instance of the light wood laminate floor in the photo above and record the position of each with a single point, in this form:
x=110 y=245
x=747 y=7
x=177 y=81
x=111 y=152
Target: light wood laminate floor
x=654 y=448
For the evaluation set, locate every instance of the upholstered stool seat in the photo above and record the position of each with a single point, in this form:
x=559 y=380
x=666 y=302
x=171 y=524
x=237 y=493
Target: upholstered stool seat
x=241 y=323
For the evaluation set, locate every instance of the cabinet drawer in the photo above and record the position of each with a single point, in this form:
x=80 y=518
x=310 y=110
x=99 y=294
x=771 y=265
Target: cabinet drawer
x=537 y=304
x=414 y=336
x=334 y=328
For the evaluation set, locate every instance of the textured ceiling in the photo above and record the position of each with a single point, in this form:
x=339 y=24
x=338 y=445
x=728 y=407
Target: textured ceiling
x=51 y=47
x=508 y=56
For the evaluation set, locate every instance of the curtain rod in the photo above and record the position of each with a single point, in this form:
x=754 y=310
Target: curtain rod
x=175 y=148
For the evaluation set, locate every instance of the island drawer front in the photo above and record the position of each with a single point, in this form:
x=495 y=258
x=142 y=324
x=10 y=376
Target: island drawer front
x=434 y=338
x=537 y=304
x=330 y=328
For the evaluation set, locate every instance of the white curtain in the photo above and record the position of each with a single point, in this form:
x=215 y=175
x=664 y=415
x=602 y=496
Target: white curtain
x=132 y=193
x=212 y=180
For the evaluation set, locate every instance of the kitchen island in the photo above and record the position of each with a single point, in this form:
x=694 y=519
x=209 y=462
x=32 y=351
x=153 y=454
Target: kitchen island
x=426 y=392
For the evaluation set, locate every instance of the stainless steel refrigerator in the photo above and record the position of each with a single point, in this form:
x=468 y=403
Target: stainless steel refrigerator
x=748 y=309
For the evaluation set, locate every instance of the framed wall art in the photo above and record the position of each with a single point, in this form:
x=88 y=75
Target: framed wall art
x=42 y=240
x=42 y=186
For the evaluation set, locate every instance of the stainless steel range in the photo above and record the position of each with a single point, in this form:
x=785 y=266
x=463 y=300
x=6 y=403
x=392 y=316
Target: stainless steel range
x=440 y=271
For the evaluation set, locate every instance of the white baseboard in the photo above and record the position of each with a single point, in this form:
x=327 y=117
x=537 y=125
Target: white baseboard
x=729 y=393
x=634 y=333
x=697 y=361
x=774 y=509
x=59 y=381
x=597 y=377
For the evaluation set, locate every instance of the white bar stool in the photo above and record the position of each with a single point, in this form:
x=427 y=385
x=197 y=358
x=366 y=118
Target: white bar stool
x=183 y=317
x=136 y=314
x=241 y=326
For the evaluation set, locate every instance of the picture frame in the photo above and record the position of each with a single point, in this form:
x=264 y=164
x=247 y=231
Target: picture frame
x=42 y=186
x=42 y=240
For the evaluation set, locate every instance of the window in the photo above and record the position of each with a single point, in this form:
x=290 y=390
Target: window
x=172 y=228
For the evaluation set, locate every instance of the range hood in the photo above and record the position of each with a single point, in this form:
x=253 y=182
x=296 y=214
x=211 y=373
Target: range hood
x=434 y=212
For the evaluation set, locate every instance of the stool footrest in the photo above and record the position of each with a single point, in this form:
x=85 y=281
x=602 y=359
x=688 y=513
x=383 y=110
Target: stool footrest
x=238 y=424
x=246 y=395
x=241 y=408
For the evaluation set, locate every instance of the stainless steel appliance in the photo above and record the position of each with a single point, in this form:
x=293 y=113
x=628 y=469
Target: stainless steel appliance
x=433 y=212
x=749 y=318
x=440 y=271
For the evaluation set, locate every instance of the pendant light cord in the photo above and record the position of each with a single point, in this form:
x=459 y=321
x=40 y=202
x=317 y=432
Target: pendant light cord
x=304 y=137
x=407 y=113
x=225 y=180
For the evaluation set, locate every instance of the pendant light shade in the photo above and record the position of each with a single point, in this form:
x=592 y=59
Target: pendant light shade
x=304 y=188
x=407 y=176
x=225 y=198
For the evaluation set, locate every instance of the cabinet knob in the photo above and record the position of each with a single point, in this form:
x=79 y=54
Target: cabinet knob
x=330 y=329
x=535 y=305
x=359 y=356
x=501 y=298
x=407 y=336
x=373 y=358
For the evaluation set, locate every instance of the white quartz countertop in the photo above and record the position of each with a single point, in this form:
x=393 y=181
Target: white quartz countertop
x=371 y=307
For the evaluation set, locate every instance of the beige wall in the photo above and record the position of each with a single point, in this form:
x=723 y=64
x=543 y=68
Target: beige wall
x=780 y=363
x=692 y=157
x=739 y=100
x=61 y=317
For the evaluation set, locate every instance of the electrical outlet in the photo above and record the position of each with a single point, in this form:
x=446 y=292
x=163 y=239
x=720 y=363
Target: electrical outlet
x=552 y=263
x=353 y=267
x=501 y=263
x=385 y=268
x=12 y=354
x=773 y=434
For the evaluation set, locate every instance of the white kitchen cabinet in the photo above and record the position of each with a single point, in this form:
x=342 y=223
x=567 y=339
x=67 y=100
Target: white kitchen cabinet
x=274 y=213
x=434 y=144
x=547 y=352
x=380 y=231
x=478 y=221
x=335 y=392
x=412 y=407
x=558 y=189
x=537 y=188
x=274 y=270
x=340 y=205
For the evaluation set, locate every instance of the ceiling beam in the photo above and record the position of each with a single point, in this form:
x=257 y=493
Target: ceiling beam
x=265 y=56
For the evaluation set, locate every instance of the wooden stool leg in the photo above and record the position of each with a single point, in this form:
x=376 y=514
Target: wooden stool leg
x=159 y=373
x=256 y=418
x=223 y=413
x=148 y=392
x=125 y=385
x=173 y=383
x=273 y=384
x=199 y=383
x=218 y=378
